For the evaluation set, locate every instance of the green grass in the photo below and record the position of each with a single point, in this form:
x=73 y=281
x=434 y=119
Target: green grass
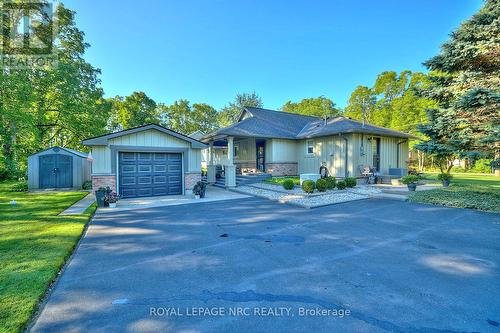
x=468 y=179
x=34 y=244
x=280 y=180
x=461 y=196
x=476 y=191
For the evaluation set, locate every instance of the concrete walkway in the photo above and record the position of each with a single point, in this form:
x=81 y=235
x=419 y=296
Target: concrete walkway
x=212 y=194
x=81 y=206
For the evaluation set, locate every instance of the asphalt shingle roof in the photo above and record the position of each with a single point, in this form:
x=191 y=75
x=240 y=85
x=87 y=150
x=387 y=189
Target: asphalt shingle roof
x=282 y=125
x=339 y=125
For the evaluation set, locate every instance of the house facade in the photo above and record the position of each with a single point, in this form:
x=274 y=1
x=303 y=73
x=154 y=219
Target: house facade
x=149 y=160
x=284 y=144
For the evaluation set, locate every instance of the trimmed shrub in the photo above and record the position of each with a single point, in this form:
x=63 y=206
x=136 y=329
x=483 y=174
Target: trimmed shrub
x=87 y=185
x=341 y=185
x=350 y=181
x=288 y=184
x=308 y=186
x=444 y=177
x=21 y=186
x=330 y=182
x=321 y=185
x=410 y=179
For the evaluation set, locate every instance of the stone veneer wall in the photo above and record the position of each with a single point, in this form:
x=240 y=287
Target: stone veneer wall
x=282 y=169
x=104 y=181
x=190 y=180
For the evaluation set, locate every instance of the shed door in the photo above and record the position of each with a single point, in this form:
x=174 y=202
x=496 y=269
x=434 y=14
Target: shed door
x=56 y=171
x=149 y=174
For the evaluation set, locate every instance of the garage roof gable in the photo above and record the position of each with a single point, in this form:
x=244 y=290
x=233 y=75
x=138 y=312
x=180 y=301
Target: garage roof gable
x=103 y=139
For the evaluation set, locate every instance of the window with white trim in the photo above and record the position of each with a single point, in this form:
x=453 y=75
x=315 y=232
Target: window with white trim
x=310 y=147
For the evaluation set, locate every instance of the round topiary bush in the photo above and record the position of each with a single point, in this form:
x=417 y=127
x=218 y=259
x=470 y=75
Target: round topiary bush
x=341 y=185
x=321 y=185
x=288 y=184
x=308 y=186
x=330 y=182
x=350 y=181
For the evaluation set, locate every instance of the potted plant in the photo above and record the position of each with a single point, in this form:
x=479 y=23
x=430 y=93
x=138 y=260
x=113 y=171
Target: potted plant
x=199 y=190
x=112 y=198
x=100 y=196
x=445 y=179
x=410 y=181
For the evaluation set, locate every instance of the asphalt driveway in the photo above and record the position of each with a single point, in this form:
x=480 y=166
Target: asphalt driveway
x=251 y=265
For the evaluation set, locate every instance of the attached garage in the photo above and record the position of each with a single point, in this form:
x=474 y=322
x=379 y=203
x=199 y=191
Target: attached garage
x=146 y=161
x=58 y=167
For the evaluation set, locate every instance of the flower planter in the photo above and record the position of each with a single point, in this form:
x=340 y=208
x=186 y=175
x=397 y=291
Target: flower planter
x=196 y=196
x=112 y=205
x=446 y=183
x=412 y=187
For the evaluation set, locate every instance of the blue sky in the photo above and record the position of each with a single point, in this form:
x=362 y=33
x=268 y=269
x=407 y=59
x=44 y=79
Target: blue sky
x=206 y=51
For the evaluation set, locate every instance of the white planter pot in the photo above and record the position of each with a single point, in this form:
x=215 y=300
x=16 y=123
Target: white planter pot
x=112 y=205
x=196 y=196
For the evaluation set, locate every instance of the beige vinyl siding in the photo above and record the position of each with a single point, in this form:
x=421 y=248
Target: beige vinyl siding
x=102 y=160
x=282 y=151
x=388 y=152
x=330 y=150
x=149 y=138
x=194 y=160
x=246 y=150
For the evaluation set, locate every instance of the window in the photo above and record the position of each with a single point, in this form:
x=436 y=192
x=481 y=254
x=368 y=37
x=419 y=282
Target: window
x=236 y=150
x=310 y=147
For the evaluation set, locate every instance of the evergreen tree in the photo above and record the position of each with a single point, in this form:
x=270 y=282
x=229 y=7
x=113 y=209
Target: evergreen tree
x=466 y=83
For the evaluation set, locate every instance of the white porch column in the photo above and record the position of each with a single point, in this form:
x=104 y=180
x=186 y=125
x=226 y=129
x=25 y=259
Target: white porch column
x=211 y=167
x=230 y=168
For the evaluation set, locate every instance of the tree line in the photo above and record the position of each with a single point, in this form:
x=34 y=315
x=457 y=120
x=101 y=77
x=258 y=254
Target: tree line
x=454 y=108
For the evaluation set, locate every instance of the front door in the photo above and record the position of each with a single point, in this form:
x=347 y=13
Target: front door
x=376 y=153
x=260 y=148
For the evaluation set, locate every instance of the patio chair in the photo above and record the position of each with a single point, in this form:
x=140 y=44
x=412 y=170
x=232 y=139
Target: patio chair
x=367 y=172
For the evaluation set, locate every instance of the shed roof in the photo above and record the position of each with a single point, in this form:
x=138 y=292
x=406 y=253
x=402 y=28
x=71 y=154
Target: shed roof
x=69 y=150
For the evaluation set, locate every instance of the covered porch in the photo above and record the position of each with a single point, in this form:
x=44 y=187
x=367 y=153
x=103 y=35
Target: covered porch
x=238 y=156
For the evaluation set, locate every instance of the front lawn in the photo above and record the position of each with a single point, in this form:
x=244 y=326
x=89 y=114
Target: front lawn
x=34 y=244
x=468 y=179
x=280 y=180
x=461 y=196
x=476 y=191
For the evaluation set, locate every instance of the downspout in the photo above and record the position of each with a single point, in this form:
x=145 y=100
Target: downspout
x=346 y=158
x=397 y=152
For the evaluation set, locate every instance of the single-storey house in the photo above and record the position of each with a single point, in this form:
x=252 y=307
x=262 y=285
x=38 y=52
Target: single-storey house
x=283 y=143
x=149 y=160
x=58 y=167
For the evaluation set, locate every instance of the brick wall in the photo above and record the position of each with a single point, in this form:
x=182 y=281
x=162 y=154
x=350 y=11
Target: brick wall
x=104 y=181
x=282 y=169
x=190 y=179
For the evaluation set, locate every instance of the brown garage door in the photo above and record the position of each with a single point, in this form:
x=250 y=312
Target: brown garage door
x=149 y=174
